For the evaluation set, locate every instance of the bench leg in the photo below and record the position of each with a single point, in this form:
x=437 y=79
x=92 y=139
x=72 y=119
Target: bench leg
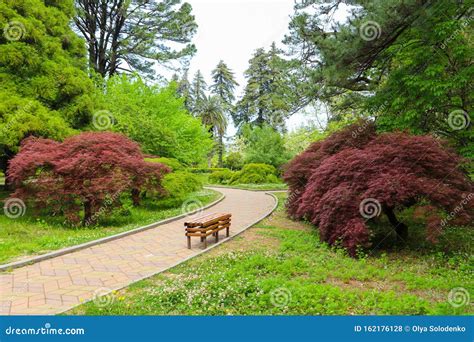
x=205 y=242
x=217 y=236
x=189 y=242
x=227 y=231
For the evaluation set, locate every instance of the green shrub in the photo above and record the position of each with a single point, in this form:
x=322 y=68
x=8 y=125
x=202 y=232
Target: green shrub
x=178 y=186
x=174 y=164
x=234 y=161
x=205 y=169
x=221 y=177
x=255 y=174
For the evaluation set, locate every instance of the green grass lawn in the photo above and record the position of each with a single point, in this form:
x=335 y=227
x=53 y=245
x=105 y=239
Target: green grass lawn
x=280 y=267
x=26 y=236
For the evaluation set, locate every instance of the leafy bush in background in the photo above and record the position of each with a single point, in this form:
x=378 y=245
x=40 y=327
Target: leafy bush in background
x=234 y=161
x=264 y=145
x=86 y=173
x=255 y=174
x=205 y=169
x=178 y=185
x=157 y=119
x=172 y=163
x=355 y=175
x=221 y=177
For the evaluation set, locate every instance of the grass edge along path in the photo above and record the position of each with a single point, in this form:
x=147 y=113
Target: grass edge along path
x=26 y=236
x=280 y=267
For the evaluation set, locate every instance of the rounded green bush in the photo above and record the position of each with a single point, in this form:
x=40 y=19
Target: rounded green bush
x=255 y=174
x=221 y=177
x=178 y=186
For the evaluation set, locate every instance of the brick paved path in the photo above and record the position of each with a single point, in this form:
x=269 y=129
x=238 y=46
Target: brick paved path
x=55 y=285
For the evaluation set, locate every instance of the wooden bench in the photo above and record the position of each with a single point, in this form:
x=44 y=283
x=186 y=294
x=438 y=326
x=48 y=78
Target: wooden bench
x=207 y=225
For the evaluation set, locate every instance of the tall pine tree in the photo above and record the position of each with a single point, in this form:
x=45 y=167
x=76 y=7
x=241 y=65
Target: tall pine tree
x=264 y=99
x=198 y=92
x=184 y=91
x=224 y=88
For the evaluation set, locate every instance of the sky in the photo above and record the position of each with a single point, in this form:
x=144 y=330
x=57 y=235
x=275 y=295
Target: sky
x=232 y=30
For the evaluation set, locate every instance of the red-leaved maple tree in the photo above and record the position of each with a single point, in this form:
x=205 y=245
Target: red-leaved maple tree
x=356 y=175
x=87 y=172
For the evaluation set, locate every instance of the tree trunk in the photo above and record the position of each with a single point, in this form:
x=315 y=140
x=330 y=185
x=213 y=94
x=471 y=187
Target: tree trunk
x=221 y=151
x=4 y=160
x=87 y=213
x=400 y=228
x=136 y=197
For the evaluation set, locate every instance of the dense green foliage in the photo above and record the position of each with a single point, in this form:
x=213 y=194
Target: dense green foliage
x=205 y=169
x=262 y=144
x=172 y=163
x=45 y=89
x=221 y=177
x=265 y=99
x=178 y=186
x=407 y=62
x=234 y=161
x=255 y=174
x=156 y=118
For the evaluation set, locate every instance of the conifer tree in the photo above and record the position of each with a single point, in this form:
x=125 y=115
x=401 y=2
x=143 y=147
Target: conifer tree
x=184 y=90
x=198 y=92
x=264 y=99
x=224 y=88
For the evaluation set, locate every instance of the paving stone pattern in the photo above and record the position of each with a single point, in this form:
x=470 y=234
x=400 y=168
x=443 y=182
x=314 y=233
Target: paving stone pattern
x=58 y=284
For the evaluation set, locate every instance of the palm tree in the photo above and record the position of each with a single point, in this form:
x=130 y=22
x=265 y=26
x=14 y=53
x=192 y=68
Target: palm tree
x=212 y=115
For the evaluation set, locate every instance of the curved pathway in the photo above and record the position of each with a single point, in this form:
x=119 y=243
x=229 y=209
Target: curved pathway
x=58 y=284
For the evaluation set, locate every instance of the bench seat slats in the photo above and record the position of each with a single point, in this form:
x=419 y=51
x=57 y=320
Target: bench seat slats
x=207 y=225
